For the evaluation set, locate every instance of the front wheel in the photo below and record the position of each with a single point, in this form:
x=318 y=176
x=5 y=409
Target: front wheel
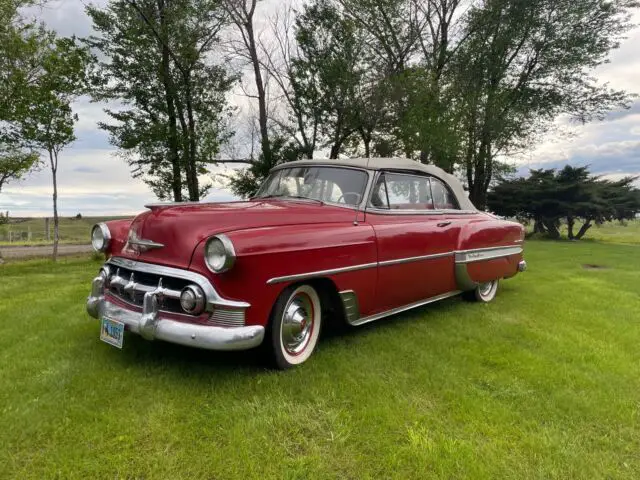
x=295 y=326
x=485 y=292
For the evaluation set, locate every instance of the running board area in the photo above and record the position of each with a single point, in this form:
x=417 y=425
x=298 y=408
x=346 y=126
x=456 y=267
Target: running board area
x=355 y=320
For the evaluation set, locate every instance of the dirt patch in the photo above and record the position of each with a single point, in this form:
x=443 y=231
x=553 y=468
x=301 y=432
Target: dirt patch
x=591 y=266
x=12 y=253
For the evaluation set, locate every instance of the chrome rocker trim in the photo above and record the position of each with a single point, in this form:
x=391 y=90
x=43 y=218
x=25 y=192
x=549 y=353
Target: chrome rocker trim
x=353 y=317
x=150 y=323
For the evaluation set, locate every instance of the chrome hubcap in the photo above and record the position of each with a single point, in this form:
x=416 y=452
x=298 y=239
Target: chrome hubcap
x=297 y=324
x=485 y=289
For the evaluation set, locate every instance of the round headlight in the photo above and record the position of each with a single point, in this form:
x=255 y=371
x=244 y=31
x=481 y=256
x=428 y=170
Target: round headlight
x=219 y=254
x=192 y=300
x=100 y=237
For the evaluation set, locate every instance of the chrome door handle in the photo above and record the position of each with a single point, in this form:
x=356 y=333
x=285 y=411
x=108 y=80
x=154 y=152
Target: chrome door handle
x=444 y=224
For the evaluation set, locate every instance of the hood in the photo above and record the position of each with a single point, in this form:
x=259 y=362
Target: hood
x=180 y=228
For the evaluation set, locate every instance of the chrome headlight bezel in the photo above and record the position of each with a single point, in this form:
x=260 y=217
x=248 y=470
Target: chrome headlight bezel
x=223 y=258
x=105 y=239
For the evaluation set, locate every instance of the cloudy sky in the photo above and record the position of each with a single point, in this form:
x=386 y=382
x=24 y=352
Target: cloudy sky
x=95 y=181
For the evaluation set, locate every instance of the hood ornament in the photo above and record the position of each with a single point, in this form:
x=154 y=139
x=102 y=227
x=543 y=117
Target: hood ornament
x=140 y=245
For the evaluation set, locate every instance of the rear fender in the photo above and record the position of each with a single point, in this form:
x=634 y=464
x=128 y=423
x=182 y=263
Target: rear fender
x=488 y=250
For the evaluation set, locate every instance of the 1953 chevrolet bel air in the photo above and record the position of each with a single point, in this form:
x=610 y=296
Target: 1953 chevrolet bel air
x=349 y=240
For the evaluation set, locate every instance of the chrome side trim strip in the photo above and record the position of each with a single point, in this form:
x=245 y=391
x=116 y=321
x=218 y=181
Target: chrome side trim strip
x=480 y=254
x=321 y=273
x=386 y=211
x=404 y=308
x=213 y=298
x=462 y=256
x=415 y=259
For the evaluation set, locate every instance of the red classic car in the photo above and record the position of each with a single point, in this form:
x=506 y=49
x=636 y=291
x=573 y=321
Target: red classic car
x=348 y=240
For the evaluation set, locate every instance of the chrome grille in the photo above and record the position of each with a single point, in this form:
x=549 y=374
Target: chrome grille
x=227 y=318
x=131 y=286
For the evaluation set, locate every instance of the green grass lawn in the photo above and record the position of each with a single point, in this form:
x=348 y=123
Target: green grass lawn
x=543 y=383
x=72 y=230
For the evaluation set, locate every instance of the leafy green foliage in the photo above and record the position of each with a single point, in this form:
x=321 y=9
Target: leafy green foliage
x=522 y=65
x=156 y=62
x=548 y=196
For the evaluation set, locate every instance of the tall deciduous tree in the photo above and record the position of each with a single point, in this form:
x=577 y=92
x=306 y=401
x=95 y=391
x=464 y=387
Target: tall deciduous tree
x=330 y=71
x=243 y=16
x=525 y=63
x=159 y=59
x=20 y=51
x=47 y=122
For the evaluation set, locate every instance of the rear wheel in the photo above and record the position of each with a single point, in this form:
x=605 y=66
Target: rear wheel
x=295 y=326
x=485 y=292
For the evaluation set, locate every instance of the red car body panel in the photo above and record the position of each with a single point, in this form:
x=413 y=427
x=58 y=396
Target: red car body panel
x=404 y=257
x=283 y=238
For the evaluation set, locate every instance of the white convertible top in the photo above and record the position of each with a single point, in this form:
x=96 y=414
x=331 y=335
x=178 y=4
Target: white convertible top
x=403 y=164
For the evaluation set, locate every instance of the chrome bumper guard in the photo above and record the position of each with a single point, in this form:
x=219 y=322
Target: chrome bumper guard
x=152 y=326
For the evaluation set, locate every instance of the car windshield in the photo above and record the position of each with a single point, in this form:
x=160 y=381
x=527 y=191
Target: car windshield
x=325 y=184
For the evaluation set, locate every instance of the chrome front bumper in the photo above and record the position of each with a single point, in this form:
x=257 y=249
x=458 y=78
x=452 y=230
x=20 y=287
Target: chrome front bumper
x=151 y=325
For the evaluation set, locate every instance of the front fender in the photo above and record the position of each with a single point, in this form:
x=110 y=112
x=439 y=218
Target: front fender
x=268 y=253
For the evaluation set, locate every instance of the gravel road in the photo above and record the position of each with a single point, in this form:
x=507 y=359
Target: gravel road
x=43 y=251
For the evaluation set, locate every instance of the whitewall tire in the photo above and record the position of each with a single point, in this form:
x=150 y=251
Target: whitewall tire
x=484 y=293
x=295 y=326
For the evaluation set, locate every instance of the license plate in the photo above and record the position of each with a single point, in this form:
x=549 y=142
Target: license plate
x=112 y=332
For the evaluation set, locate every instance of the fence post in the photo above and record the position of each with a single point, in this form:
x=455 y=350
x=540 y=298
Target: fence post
x=47 y=233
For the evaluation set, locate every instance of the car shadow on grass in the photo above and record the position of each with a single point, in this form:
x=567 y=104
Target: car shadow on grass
x=139 y=351
x=177 y=358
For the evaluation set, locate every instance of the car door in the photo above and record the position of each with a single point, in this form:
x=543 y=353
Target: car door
x=416 y=243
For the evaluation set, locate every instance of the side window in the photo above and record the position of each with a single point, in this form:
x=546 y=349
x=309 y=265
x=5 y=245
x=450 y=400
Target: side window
x=396 y=191
x=443 y=199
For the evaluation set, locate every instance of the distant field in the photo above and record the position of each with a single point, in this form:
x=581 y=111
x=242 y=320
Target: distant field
x=614 y=232
x=32 y=231
x=610 y=232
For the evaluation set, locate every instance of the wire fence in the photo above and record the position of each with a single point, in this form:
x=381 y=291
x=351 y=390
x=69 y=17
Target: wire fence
x=17 y=231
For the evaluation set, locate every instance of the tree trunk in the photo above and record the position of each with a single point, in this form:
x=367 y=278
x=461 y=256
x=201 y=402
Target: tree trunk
x=552 y=228
x=262 y=96
x=570 y=223
x=53 y=158
x=335 y=150
x=169 y=92
x=586 y=226
x=192 y=178
x=366 y=140
x=538 y=226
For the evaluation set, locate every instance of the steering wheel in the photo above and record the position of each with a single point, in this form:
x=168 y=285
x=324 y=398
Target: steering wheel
x=357 y=195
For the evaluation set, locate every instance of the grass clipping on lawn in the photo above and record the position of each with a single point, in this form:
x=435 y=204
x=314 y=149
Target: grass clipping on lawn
x=542 y=383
